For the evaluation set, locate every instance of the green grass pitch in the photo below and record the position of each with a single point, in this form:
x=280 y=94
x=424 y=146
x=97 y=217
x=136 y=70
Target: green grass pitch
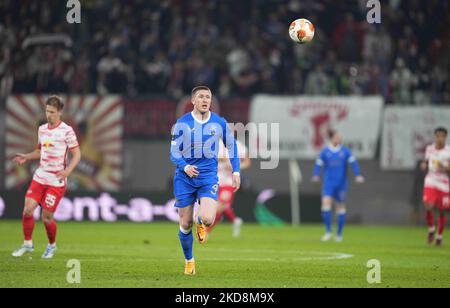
x=149 y=255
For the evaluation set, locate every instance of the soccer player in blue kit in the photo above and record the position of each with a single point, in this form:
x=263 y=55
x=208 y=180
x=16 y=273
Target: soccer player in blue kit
x=335 y=159
x=194 y=150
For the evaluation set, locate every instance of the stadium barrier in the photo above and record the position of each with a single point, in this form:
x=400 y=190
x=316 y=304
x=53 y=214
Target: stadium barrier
x=265 y=207
x=407 y=131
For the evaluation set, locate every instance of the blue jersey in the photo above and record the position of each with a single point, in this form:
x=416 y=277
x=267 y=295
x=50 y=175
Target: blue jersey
x=335 y=161
x=196 y=143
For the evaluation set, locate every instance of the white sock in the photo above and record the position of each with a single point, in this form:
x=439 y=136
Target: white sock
x=186 y=232
x=28 y=243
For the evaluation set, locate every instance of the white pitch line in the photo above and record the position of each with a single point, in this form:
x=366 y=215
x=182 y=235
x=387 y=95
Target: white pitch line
x=315 y=256
x=297 y=252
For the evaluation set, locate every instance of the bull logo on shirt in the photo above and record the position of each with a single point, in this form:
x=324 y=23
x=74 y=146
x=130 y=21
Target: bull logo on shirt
x=47 y=144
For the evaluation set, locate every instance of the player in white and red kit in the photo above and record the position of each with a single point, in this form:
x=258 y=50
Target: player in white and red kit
x=226 y=189
x=55 y=140
x=436 y=193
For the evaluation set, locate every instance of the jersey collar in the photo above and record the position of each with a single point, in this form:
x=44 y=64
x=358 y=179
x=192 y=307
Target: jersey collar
x=201 y=122
x=435 y=147
x=335 y=149
x=52 y=128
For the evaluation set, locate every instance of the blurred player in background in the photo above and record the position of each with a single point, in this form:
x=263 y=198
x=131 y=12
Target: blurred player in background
x=335 y=159
x=436 y=191
x=194 y=150
x=55 y=140
x=226 y=189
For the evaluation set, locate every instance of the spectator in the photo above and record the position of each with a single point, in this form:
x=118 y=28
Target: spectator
x=402 y=81
x=241 y=47
x=112 y=78
x=317 y=82
x=347 y=39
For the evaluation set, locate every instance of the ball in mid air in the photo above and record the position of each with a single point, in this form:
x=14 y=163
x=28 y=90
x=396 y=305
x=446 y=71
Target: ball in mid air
x=301 y=31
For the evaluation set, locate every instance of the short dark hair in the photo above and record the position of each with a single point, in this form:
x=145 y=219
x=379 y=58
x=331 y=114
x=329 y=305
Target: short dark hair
x=55 y=101
x=199 y=88
x=331 y=133
x=441 y=130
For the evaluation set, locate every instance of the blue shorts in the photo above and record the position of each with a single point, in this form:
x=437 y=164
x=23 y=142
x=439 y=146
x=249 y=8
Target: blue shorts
x=187 y=191
x=337 y=192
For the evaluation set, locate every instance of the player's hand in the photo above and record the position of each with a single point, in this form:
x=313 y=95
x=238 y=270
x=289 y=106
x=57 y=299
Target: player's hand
x=62 y=175
x=360 y=179
x=424 y=166
x=20 y=159
x=192 y=171
x=315 y=179
x=236 y=182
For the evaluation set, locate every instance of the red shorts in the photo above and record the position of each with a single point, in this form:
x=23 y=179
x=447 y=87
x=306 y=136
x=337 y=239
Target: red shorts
x=226 y=195
x=437 y=198
x=47 y=196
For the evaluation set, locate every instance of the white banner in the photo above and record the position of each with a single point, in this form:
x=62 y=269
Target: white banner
x=407 y=131
x=304 y=122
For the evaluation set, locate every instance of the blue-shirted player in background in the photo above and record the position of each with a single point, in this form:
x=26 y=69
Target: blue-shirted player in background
x=334 y=160
x=194 y=151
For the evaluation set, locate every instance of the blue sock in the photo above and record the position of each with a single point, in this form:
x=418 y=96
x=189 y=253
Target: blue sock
x=341 y=223
x=327 y=220
x=187 y=241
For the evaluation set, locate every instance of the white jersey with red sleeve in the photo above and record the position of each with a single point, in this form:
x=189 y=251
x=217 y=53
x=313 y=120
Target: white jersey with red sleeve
x=54 y=144
x=225 y=171
x=437 y=179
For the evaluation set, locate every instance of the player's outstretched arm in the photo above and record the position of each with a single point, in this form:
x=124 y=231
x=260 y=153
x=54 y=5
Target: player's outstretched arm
x=425 y=162
x=356 y=170
x=245 y=163
x=318 y=168
x=23 y=158
x=176 y=147
x=233 y=153
x=231 y=145
x=236 y=182
x=76 y=157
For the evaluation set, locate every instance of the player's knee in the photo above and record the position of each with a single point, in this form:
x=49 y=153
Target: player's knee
x=28 y=212
x=186 y=225
x=341 y=211
x=326 y=207
x=208 y=220
x=429 y=207
x=30 y=207
x=47 y=219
